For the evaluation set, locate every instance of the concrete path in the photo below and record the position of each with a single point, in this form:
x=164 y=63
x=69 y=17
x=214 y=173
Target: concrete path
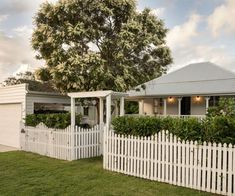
x=6 y=148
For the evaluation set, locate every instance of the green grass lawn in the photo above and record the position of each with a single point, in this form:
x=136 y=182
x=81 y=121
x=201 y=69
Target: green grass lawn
x=29 y=174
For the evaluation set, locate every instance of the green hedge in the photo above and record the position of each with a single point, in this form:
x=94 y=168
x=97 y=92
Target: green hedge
x=216 y=129
x=58 y=121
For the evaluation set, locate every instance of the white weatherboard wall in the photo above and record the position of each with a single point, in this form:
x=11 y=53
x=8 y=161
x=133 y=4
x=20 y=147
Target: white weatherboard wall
x=172 y=107
x=148 y=106
x=198 y=108
x=12 y=111
x=39 y=97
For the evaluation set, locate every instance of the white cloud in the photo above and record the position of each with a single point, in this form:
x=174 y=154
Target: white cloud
x=15 y=51
x=159 y=12
x=23 y=31
x=222 y=19
x=23 y=68
x=19 y=6
x=201 y=53
x=181 y=35
x=187 y=48
x=16 y=54
x=3 y=17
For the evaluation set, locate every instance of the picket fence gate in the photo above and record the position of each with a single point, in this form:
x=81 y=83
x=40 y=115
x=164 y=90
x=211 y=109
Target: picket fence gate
x=66 y=144
x=163 y=157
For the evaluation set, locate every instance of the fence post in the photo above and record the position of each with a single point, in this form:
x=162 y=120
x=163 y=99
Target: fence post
x=104 y=147
x=101 y=138
x=50 y=143
x=72 y=147
x=22 y=136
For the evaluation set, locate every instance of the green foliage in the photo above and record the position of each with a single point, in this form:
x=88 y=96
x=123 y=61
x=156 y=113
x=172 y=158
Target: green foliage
x=226 y=107
x=218 y=129
x=186 y=129
x=58 y=121
x=131 y=107
x=94 y=45
x=136 y=125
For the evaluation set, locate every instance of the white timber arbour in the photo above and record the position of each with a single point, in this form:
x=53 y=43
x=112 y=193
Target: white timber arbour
x=107 y=95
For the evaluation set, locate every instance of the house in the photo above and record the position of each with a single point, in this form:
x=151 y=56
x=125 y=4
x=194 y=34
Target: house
x=17 y=101
x=187 y=91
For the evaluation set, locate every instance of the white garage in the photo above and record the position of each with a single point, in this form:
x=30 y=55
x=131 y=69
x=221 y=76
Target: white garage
x=10 y=117
x=17 y=101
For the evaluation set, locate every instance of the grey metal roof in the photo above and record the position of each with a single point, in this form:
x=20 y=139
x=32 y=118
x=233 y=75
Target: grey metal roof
x=195 y=79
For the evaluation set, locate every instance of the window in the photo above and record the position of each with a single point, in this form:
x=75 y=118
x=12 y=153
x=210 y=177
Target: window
x=157 y=105
x=86 y=111
x=213 y=101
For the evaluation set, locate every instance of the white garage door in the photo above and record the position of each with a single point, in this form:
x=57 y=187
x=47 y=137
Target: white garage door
x=10 y=116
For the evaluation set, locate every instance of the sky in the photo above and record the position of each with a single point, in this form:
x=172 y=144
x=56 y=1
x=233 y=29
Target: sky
x=199 y=30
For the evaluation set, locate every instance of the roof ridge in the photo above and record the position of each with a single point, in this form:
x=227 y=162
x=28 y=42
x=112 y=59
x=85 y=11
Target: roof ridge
x=187 y=67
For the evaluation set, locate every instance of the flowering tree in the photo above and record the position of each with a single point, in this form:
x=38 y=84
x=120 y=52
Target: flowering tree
x=94 y=45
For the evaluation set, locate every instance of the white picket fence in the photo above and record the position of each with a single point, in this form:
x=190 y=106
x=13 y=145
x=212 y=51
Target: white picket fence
x=163 y=157
x=67 y=144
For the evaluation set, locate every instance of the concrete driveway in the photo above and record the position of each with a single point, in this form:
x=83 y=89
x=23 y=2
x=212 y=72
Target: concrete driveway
x=6 y=148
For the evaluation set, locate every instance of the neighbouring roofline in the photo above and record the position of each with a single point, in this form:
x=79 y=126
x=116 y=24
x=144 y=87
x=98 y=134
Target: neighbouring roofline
x=15 y=86
x=47 y=93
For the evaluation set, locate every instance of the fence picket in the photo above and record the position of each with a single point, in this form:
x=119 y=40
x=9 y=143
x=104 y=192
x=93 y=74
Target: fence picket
x=155 y=157
x=230 y=173
x=224 y=168
x=202 y=172
x=183 y=163
x=159 y=156
x=163 y=155
x=199 y=167
x=219 y=170
x=138 y=156
x=175 y=161
x=171 y=158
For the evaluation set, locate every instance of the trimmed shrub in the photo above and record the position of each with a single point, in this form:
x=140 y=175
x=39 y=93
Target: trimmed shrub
x=131 y=107
x=219 y=129
x=216 y=129
x=187 y=129
x=58 y=121
x=136 y=125
x=225 y=107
